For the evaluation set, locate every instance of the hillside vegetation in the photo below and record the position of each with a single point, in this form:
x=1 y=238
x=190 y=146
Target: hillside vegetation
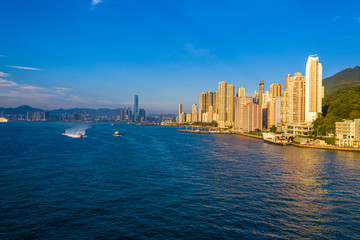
x=341 y=80
x=342 y=104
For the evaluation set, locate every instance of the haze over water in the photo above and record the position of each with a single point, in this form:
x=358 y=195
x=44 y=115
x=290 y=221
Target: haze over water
x=154 y=182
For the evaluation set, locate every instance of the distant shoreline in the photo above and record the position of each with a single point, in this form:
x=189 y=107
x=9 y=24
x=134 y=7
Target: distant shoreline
x=291 y=144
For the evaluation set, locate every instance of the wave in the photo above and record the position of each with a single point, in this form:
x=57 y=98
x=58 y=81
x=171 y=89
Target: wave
x=75 y=132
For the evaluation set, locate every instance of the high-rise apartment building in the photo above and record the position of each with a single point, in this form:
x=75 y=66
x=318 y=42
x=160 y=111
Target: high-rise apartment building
x=194 y=114
x=287 y=80
x=240 y=92
x=216 y=102
x=275 y=90
x=209 y=100
x=240 y=102
x=142 y=115
x=296 y=99
x=202 y=101
x=222 y=103
x=180 y=111
x=314 y=91
x=252 y=117
x=256 y=97
x=266 y=98
x=261 y=92
x=136 y=108
x=230 y=104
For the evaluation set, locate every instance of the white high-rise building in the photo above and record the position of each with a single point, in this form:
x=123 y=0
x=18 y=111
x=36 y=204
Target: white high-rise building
x=314 y=90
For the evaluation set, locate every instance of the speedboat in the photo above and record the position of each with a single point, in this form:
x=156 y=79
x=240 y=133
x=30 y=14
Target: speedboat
x=117 y=134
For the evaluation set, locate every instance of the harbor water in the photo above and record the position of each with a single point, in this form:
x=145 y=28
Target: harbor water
x=154 y=182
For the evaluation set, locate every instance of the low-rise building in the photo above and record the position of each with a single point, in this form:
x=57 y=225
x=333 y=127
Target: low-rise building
x=348 y=132
x=298 y=129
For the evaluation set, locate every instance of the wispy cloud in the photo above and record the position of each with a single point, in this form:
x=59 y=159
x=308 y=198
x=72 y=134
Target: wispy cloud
x=2 y=55
x=358 y=19
x=2 y=74
x=197 y=52
x=7 y=83
x=62 y=89
x=24 y=68
x=96 y=2
x=13 y=94
x=336 y=18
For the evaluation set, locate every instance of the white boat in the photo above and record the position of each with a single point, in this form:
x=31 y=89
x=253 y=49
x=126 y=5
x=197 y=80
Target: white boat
x=2 y=119
x=275 y=139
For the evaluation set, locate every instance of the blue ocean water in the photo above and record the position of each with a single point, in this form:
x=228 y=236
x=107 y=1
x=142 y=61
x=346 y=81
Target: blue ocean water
x=154 y=182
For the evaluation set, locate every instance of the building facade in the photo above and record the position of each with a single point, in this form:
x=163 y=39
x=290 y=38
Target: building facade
x=314 y=91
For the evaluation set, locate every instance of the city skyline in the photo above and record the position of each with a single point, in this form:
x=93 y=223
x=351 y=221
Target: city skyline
x=297 y=106
x=99 y=53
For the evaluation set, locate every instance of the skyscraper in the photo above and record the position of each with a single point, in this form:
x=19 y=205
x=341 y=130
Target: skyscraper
x=216 y=102
x=202 y=102
x=296 y=98
x=314 y=91
x=240 y=92
x=261 y=92
x=230 y=104
x=256 y=97
x=275 y=90
x=142 y=115
x=136 y=108
x=287 y=80
x=240 y=102
x=209 y=100
x=180 y=111
x=222 y=102
x=194 y=113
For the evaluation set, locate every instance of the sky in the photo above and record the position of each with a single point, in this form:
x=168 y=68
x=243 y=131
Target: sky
x=100 y=53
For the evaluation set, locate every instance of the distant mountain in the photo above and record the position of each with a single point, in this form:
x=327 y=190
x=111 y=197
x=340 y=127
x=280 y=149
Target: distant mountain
x=91 y=112
x=20 y=110
x=342 y=104
x=341 y=80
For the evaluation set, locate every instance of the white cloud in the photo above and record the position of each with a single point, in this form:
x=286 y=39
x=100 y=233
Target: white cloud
x=96 y=2
x=6 y=83
x=62 y=89
x=24 y=68
x=13 y=94
x=197 y=52
x=2 y=74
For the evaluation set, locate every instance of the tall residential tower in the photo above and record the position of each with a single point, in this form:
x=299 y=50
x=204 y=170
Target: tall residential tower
x=314 y=90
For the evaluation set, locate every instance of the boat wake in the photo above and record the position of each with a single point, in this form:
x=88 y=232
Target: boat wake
x=76 y=132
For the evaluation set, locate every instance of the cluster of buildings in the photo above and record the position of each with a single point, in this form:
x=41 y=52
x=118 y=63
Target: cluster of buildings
x=126 y=114
x=291 y=109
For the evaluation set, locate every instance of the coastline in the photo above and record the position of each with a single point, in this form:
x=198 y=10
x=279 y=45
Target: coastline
x=291 y=144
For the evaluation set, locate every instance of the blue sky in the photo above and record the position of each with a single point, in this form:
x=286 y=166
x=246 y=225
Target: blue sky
x=93 y=53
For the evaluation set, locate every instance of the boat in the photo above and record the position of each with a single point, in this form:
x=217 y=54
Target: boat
x=276 y=139
x=2 y=119
x=117 y=134
x=79 y=135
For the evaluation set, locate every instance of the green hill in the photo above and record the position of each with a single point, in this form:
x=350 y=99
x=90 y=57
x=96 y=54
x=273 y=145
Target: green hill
x=342 y=104
x=346 y=78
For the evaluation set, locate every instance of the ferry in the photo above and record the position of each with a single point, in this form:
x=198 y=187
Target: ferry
x=276 y=139
x=117 y=134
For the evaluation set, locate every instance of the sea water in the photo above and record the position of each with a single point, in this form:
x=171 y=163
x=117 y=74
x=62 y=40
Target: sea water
x=154 y=182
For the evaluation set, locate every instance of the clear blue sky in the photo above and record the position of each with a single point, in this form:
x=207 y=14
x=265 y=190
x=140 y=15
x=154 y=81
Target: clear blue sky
x=92 y=53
